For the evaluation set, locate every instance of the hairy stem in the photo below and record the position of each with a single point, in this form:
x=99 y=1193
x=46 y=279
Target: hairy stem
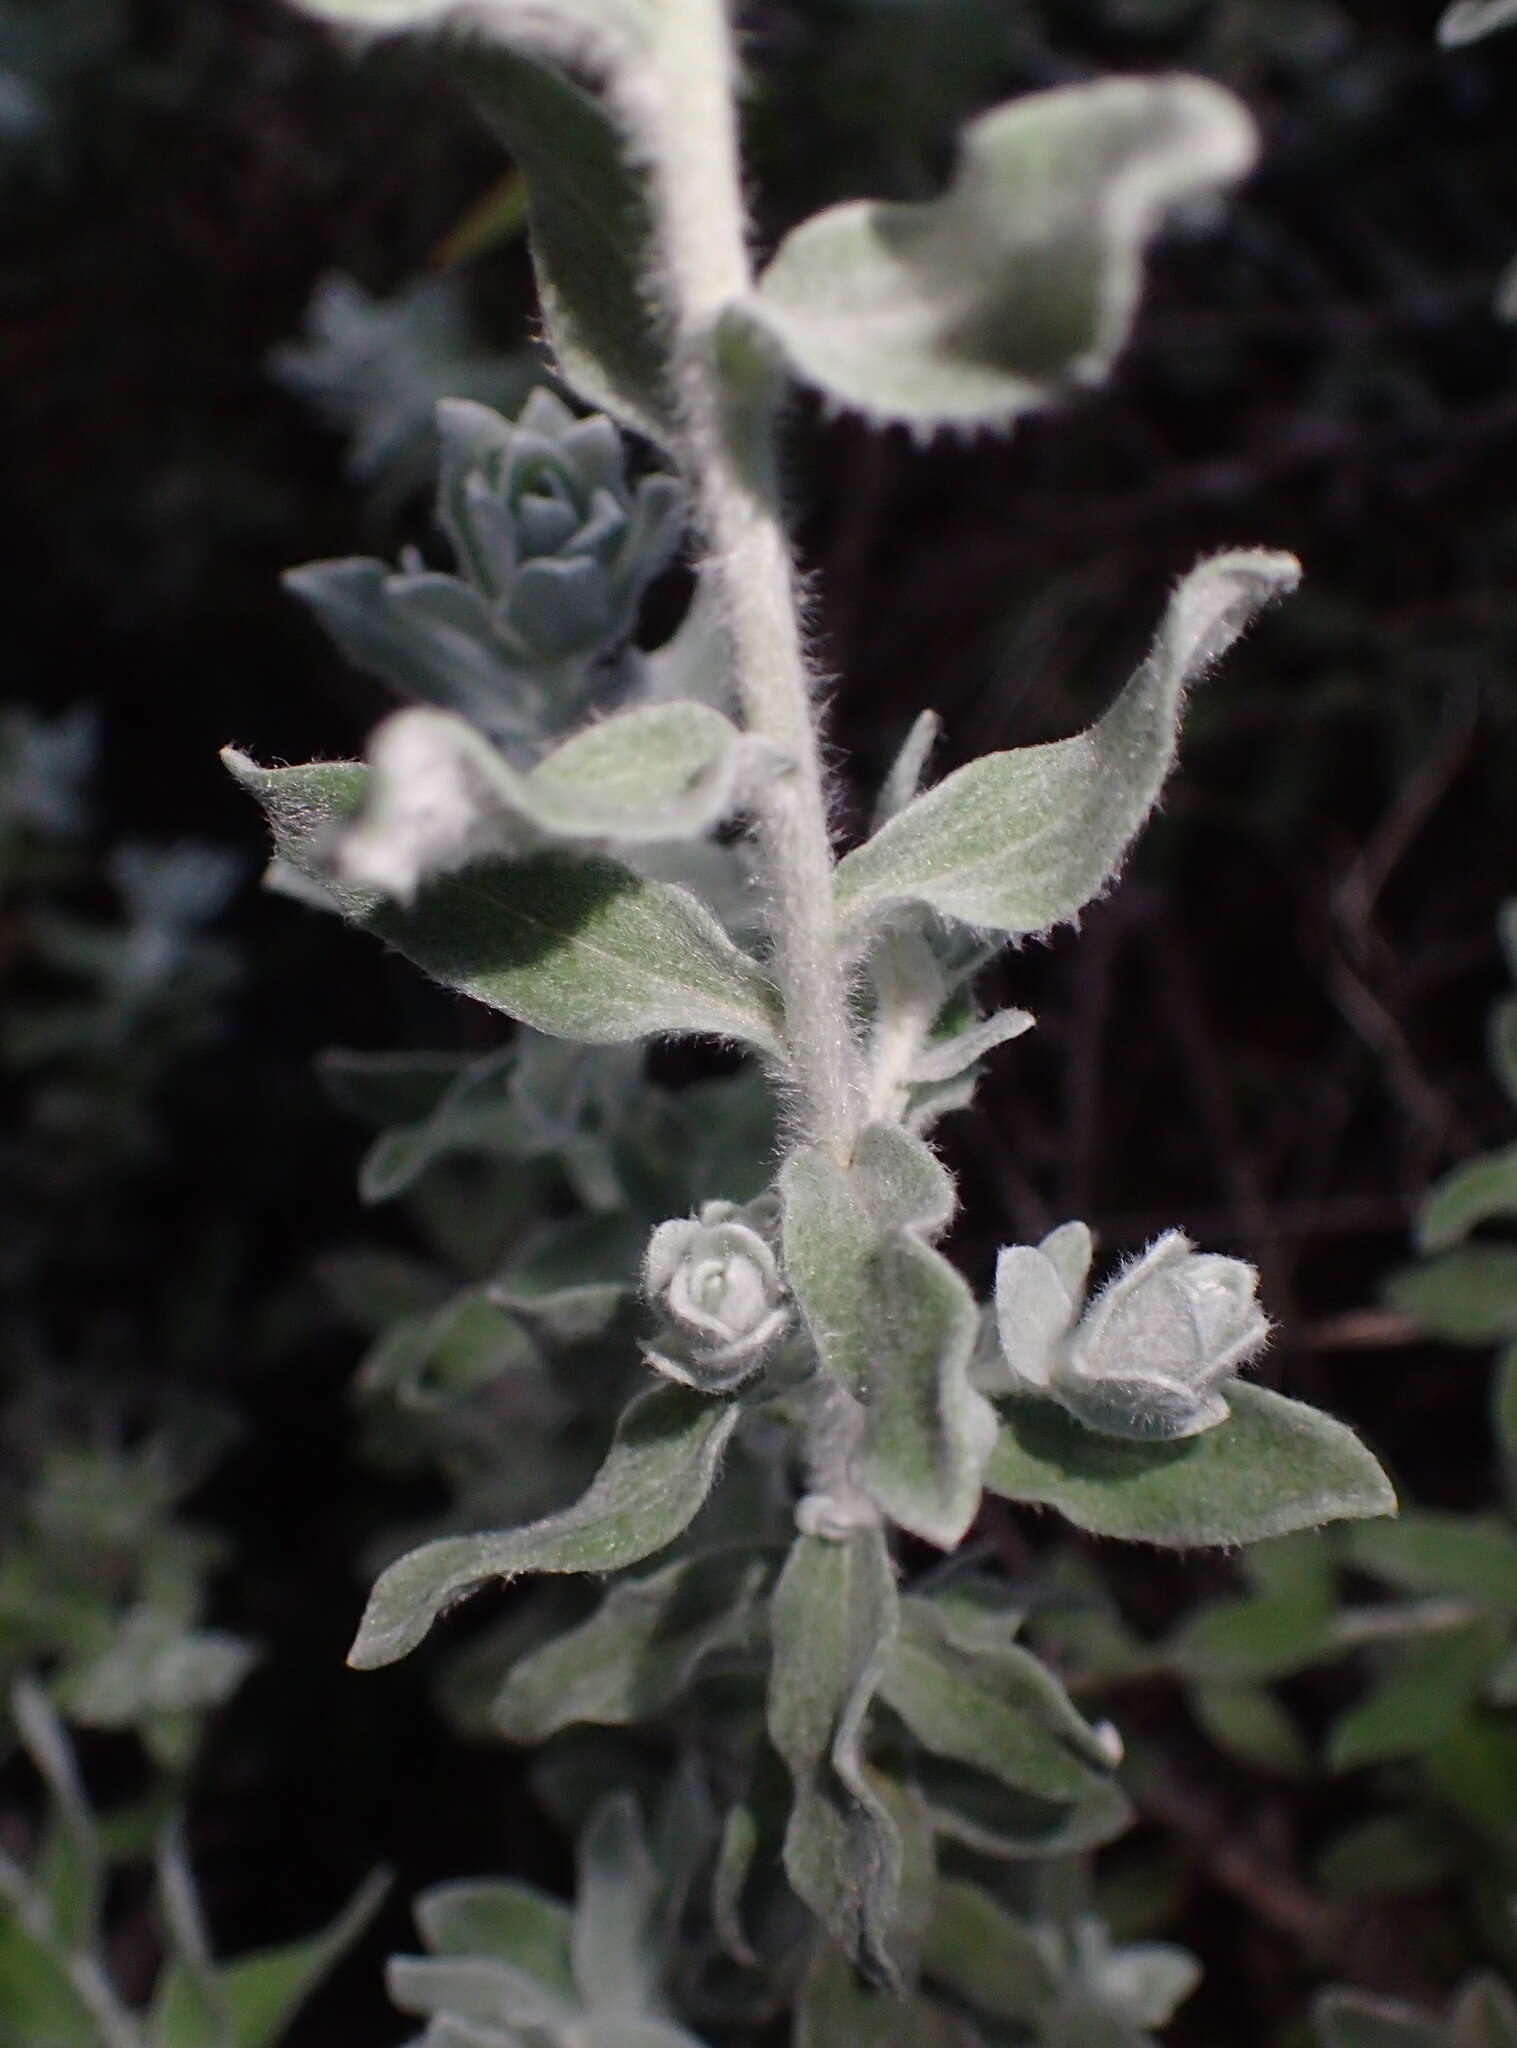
x=699 y=194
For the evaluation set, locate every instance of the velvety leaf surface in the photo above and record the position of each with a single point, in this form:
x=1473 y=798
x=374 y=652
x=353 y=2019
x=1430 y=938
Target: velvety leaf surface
x=439 y=795
x=893 y=1322
x=1275 y=1466
x=1023 y=280
x=1468 y=1296
x=642 y=1648
x=1432 y=1550
x=590 y=232
x=1351 y=2019
x=577 y=946
x=1468 y=20
x=1425 y=1694
x=836 y=2009
x=262 y=1992
x=1470 y=1195
x=833 y=1620
x=985 y=1955
x=999 y=1711
x=657 y=1474
x=1020 y=841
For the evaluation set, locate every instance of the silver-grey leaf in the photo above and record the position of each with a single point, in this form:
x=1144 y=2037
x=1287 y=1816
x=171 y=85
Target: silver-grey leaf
x=657 y=1474
x=1018 y=842
x=1023 y=281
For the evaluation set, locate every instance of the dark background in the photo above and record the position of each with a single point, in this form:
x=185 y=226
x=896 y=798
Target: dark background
x=1272 y=1034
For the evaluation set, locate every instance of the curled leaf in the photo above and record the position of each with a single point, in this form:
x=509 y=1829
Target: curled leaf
x=656 y=1476
x=1023 y=280
x=1018 y=842
x=833 y=1620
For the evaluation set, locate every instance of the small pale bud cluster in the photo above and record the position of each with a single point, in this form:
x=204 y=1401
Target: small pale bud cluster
x=1147 y=1357
x=555 y=546
x=718 y=1284
x=548 y=528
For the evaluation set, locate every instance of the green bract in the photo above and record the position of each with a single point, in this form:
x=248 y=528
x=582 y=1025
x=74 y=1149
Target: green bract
x=745 y=1361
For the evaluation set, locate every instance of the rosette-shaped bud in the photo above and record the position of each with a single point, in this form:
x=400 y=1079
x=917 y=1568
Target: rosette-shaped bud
x=554 y=547
x=1148 y=1356
x=718 y=1285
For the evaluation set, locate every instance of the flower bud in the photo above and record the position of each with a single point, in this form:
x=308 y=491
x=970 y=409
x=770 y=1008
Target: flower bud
x=554 y=546
x=1148 y=1357
x=718 y=1284
x=547 y=527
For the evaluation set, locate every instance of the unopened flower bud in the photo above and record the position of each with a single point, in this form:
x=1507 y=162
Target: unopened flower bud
x=1148 y=1357
x=718 y=1284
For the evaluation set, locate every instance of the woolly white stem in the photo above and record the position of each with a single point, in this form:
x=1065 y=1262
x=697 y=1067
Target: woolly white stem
x=698 y=189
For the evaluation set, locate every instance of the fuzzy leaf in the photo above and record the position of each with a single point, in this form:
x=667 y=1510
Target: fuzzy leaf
x=656 y=1475
x=943 y=1059
x=391 y=1087
x=989 y=1817
x=467 y=1992
x=374 y=619
x=908 y=771
x=1250 y=1723
x=639 y=1652
x=999 y=1710
x=439 y=795
x=1268 y=1636
x=1020 y=841
x=833 y=1621
x=1433 y=1550
x=507 y=1921
x=1470 y=1195
x=1023 y=281
x=499 y=1951
x=262 y=1992
x=836 y=2009
x=1427 y=1692
x=156 y=1666
x=589 y=229
x=587 y=211
x=1468 y=20
x=1352 y=2019
x=982 y=1954
x=578 y=946
x=631 y=2030
x=894 y=1322
x=1502 y=1030
x=1275 y=1466
x=1386 y=1856
x=1484 y=2015
x=616 y=1959
x=1467 y=1296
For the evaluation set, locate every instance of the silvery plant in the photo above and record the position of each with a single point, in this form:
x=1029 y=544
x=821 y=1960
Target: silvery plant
x=878 y=1788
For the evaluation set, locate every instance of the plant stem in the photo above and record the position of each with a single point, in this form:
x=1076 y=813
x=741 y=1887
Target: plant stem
x=697 y=180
